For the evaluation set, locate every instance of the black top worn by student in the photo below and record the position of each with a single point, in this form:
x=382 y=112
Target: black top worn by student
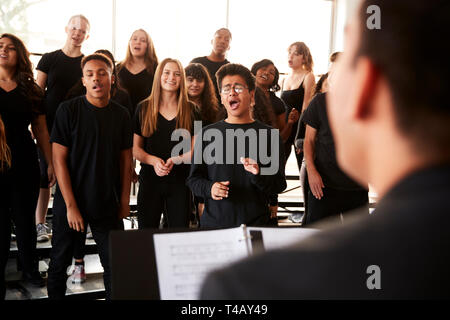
x=95 y=138
x=62 y=73
x=139 y=86
x=404 y=237
x=247 y=202
x=212 y=67
x=294 y=100
x=325 y=153
x=277 y=104
x=17 y=112
x=160 y=145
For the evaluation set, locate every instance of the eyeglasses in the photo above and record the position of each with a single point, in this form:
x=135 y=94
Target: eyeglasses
x=238 y=88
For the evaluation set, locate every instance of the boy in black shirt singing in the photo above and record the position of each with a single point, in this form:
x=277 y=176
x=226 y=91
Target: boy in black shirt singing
x=92 y=140
x=238 y=162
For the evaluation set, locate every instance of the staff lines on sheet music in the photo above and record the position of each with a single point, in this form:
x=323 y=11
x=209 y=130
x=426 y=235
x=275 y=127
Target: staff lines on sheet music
x=193 y=270
x=201 y=248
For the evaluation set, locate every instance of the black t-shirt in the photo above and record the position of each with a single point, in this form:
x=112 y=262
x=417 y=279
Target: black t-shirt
x=17 y=112
x=212 y=67
x=277 y=104
x=139 y=86
x=62 y=74
x=160 y=145
x=95 y=138
x=325 y=154
x=249 y=194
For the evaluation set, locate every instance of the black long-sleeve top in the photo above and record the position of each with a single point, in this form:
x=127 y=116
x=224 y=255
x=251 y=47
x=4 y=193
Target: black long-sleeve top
x=217 y=159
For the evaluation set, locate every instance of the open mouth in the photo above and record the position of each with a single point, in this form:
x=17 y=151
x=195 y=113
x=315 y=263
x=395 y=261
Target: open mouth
x=3 y=56
x=97 y=87
x=234 y=104
x=264 y=77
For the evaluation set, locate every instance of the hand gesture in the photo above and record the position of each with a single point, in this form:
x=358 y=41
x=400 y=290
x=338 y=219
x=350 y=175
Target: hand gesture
x=250 y=165
x=293 y=116
x=219 y=190
x=160 y=168
x=170 y=163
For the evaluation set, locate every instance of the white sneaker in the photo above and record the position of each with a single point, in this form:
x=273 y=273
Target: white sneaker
x=78 y=274
x=42 y=232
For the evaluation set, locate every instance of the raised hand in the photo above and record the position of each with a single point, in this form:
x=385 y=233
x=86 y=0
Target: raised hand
x=250 y=165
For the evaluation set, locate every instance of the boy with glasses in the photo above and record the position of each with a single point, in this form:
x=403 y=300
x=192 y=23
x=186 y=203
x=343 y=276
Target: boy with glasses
x=237 y=162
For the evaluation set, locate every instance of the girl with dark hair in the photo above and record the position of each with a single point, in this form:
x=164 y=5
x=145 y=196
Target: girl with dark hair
x=270 y=109
x=297 y=91
x=162 y=177
x=57 y=72
x=267 y=77
x=137 y=70
x=201 y=91
x=20 y=106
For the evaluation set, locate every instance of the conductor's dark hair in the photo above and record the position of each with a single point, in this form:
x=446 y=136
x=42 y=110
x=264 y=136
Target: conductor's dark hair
x=233 y=69
x=264 y=63
x=409 y=50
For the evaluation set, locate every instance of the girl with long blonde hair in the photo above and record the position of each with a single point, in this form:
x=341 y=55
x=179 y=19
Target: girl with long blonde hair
x=162 y=177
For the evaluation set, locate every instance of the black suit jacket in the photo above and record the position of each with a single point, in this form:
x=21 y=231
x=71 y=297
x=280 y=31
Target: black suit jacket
x=407 y=237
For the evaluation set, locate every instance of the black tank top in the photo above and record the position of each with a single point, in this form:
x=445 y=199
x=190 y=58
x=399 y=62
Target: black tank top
x=293 y=99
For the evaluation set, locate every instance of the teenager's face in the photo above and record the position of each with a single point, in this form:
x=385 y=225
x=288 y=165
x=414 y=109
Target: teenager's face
x=342 y=101
x=221 y=42
x=77 y=31
x=97 y=78
x=171 y=77
x=138 y=44
x=195 y=87
x=295 y=59
x=8 y=53
x=237 y=104
x=265 y=76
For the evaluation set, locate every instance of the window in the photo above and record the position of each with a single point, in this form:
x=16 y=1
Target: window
x=179 y=29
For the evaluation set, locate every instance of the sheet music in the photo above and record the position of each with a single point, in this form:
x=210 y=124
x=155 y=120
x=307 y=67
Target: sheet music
x=184 y=259
x=275 y=238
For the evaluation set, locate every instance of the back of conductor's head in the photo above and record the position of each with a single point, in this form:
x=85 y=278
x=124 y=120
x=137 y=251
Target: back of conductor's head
x=399 y=47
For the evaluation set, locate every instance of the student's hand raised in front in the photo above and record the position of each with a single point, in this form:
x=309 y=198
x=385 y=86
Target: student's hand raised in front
x=250 y=165
x=75 y=220
x=219 y=190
